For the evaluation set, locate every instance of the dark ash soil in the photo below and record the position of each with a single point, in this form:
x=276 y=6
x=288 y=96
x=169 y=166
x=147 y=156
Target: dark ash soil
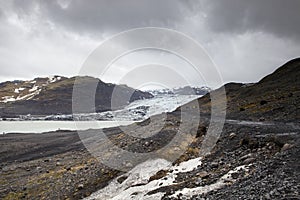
x=56 y=165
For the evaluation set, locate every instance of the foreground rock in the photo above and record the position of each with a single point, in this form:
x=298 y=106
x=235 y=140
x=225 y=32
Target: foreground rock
x=251 y=165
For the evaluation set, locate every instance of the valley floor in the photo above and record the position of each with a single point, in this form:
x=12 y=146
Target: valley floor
x=252 y=161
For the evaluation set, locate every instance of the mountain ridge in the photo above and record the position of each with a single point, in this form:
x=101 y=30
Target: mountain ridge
x=275 y=97
x=53 y=95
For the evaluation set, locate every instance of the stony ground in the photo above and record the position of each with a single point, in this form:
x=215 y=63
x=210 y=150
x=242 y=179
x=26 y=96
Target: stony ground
x=272 y=152
x=48 y=166
x=57 y=166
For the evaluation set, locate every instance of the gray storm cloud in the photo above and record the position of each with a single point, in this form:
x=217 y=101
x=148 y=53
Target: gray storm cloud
x=277 y=17
x=101 y=15
x=247 y=39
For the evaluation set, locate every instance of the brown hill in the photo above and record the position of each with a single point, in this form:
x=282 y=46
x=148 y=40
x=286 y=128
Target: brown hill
x=45 y=96
x=273 y=98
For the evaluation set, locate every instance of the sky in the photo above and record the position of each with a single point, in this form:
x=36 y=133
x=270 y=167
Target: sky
x=245 y=39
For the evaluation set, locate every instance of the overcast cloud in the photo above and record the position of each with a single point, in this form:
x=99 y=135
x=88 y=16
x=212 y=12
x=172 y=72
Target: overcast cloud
x=247 y=39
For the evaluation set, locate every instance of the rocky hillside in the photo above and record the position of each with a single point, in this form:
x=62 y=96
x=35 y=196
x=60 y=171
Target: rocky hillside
x=275 y=98
x=252 y=158
x=53 y=95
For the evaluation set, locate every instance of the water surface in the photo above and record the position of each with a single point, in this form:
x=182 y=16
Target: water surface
x=46 y=126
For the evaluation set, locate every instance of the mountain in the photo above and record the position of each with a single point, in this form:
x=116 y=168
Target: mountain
x=187 y=90
x=53 y=95
x=275 y=97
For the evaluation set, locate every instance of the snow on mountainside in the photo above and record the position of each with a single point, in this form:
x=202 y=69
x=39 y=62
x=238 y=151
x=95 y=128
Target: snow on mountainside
x=50 y=98
x=135 y=111
x=25 y=90
x=54 y=95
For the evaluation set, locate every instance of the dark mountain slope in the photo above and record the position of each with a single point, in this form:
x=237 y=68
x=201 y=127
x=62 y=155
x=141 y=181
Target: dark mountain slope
x=276 y=97
x=45 y=96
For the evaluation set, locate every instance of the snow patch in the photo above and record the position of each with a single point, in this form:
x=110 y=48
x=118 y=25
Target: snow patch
x=139 y=175
x=53 y=79
x=249 y=123
x=187 y=166
x=223 y=181
x=26 y=97
x=18 y=90
x=136 y=186
x=34 y=88
x=8 y=99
